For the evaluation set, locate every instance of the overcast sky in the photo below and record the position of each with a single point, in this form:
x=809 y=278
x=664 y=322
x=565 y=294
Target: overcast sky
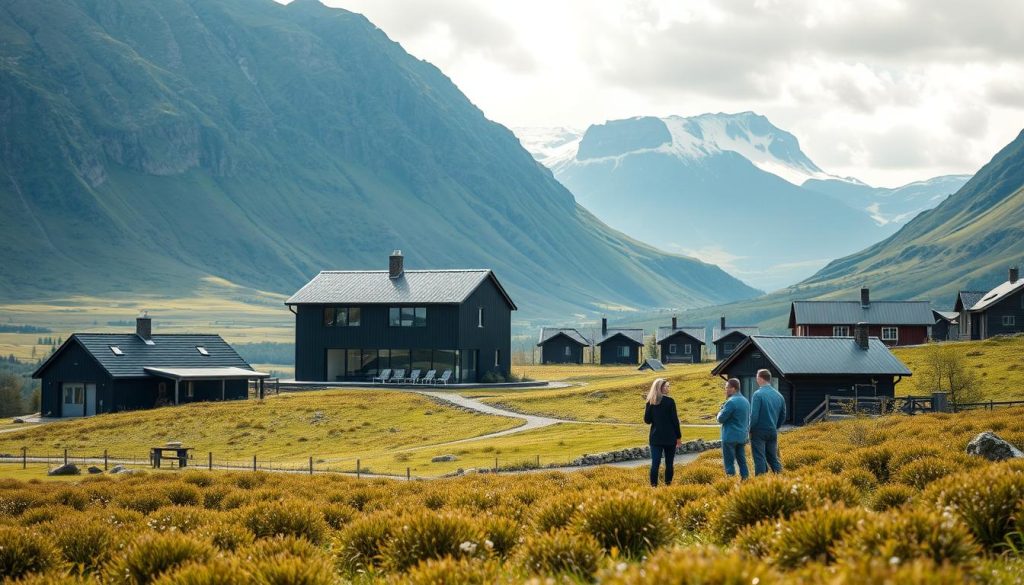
x=888 y=91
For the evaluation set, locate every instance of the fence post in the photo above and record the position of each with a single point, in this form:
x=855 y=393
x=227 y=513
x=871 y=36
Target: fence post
x=358 y=469
x=209 y=461
x=65 y=456
x=24 y=457
x=311 y=466
x=538 y=461
x=495 y=464
x=106 y=460
x=254 y=463
x=408 y=473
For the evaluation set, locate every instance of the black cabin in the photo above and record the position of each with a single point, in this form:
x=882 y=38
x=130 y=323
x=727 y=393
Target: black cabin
x=965 y=299
x=727 y=339
x=1000 y=311
x=561 y=345
x=620 y=346
x=680 y=345
x=806 y=369
x=353 y=325
x=946 y=326
x=94 y=373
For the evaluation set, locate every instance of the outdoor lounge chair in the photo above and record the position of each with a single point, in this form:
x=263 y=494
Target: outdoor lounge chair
x=414 y=376
x=429 y=378
x=447 y=375
x=397 y=376
x=383 y=377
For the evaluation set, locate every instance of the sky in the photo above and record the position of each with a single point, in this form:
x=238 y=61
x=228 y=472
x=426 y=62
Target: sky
x=887 y=91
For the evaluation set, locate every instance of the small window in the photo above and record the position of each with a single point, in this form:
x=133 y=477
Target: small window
x=841 y=331
x=480 y=317
x=329 y=313
x=1009 y=320
x=568 y=351
x=672 y=348
x=623 y=351
x=407 y=316
x=497 y=358
x=116 y=350
x=354 y=317
x=202 y=350
x=687 y=349
x=190 y=390
x=890 y=333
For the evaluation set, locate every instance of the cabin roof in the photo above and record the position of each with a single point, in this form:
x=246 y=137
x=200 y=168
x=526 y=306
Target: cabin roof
x=548 y=333
x=367 y=287
x=820 y=355
x=968 y=298
x=693 y=331
x=166 y=350
x=852 y=312
x=998 y=294
x=634 y=335
x=744 y=330
x=947 y=315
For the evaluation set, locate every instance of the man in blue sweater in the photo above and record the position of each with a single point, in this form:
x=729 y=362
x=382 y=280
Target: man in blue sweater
x=735 y=420
x=767 y=413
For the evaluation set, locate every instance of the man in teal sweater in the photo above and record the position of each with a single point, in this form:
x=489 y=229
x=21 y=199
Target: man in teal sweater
x=767 y=413
x=735 y=420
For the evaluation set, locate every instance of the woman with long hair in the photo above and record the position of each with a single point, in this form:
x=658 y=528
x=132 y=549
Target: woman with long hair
x=660 y=413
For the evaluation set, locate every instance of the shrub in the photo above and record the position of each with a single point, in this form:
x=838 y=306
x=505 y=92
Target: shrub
x=699 y=473
x=216 y=571
x=911 y=535
x=892 y=496
x=693 y=566
x=227 y=535
x=803 y=457
x=151 y=556
x=283 y=546
x=183 y=495
x=197 y=478
x=213 y=498
x=502 y=534
x=285 y=518
x=285 y=570
x=560 y=552
x=921 y=472
x=758 y=540
x=337 y=515
x=44 y=514
x=555 y=513
x=431 y=535
x=763 y=498
x=859 y=478
x=883 y=571
x=986 y=501
x=358 y=547
x=23 y=552
x=876 y=460
x=677 y=496
x=837 y=490
x=626 y=522
x=810 y=534
x=181 y=519
x=86 y=544
x=695 y=516
x=455 y=571
x=141 y=502
x=72 y=498
x=15 y=504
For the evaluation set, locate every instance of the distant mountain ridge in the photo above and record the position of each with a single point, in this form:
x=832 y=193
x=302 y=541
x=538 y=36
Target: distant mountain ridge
x=150 y=143
x=698 y=185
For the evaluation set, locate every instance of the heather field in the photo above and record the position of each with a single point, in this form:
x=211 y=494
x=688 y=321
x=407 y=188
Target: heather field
x=892 y=500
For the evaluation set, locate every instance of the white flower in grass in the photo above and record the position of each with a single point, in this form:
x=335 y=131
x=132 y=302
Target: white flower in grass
x=468 y=547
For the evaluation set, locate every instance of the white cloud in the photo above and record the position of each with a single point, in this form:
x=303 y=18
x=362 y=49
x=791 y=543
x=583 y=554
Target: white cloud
x=889 y=91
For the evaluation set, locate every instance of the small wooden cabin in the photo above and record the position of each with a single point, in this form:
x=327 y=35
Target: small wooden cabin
x=561 y=345
x=681 y=344
x=620 y=346
x=806 y=369
x=894 y=322
x=94 y=373
x=1001 y=310
x=965 y=299
x=727 y=339
x=946 y=326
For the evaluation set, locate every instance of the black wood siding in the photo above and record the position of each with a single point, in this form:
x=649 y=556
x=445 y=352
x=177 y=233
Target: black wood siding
x=991 y=319
x=680 y=357
x=495 y=335
x=73 y=365
x=610 y=352
x=552 y=351
x=735 y=338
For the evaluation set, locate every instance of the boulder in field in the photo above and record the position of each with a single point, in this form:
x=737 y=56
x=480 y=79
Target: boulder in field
x=66 y=469
x=993 y=448
x=443 y=458
x=94 y=470
x=118 y=469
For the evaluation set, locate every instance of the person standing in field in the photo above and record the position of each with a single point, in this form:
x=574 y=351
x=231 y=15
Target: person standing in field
x=735 y=420
x=665 y=436
x=767 y=413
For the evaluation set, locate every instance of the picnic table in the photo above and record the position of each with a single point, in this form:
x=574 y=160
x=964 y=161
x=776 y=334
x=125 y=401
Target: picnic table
x=156 y=455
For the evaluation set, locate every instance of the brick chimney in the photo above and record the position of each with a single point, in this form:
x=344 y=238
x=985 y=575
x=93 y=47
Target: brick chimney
x=860 y=335
x=604 y=326
x=396 y=264
x=865 y=298
x=144 y=327
x=721 y=323
x=1014 y=274
x=673 y=322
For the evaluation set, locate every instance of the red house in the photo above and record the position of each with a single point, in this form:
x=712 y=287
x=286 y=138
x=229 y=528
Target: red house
x=894 y=322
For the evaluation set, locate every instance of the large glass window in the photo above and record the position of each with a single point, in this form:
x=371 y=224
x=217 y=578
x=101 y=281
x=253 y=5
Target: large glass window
x=353 y=362
x=342 y=316
x=469 y=365
x=444 y=359
x=329 y=313
x=400 y=359
x=335 y=364
x=421 y=360
x=407 y=316
x=383 y=359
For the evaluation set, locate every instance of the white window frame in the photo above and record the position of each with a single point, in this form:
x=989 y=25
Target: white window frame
x=840 y=331
x=76 y=392
x=623 y=351
x=497 y=358
x=895 y=334
x=688 y=349
x=568 y=351
x=1009 y=320
x=672 y=348
x=480 y=317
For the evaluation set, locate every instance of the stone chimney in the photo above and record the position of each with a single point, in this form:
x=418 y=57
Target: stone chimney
x=1014 y=274
x=604 y=326
x=865 y=298
x=721 y=323
x=396 y=264
x=860 y=335
x=144 y=326
x=674 y=321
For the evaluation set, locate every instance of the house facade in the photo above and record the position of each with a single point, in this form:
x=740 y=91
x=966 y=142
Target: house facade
x=561 y=345
x=352 y=325
x=946 y=326
x=965 y=299
x=95 y=373
x=806 y=369
x=680 y=345
x=620 y=346
x=727 y=338
x=894 y=322
x=1000 y=311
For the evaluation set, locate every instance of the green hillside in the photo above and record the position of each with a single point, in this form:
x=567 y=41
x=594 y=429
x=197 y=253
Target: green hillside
x=147 y=144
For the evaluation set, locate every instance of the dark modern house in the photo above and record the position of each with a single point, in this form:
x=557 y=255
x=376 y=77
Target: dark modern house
x=965 y=299
x=680 y=345
x=1000 y=311
x=727 y=339
x=946 y=326
x=94 y=373
x=620 y=346
x=806 y=369
x=353 y=325
x=561 y=345
x=894 y=322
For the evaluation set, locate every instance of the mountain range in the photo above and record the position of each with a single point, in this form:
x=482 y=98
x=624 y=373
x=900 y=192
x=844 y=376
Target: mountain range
x=147 y=144
x=729 y=188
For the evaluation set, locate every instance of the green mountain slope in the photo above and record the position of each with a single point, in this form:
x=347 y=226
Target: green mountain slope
x=145 y=144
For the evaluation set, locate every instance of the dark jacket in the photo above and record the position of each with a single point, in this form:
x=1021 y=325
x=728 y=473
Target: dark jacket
x=664 y=422
x=767 y=410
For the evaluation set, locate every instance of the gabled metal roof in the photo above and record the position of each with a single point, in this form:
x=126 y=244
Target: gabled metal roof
x=167 y=350
x=998 y=294
x=367 y=287
x=698 y=333
x=820 y=355
x=547 y=333
x=966 y=299
x=634 y=335
x=851 y=313
x=950 y=316
x=745 y=331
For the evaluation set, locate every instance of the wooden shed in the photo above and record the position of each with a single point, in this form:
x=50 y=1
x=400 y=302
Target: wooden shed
x=561 y=345
x=681 y=344
x=620 y=346
x=727 y=339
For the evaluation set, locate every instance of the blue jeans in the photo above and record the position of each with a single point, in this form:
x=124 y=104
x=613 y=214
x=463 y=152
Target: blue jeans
x=764 y=447
x=656 y=452
x=734 y=454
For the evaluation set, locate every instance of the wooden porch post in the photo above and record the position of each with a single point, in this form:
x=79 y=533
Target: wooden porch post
x=223 y=393
x=175 y=390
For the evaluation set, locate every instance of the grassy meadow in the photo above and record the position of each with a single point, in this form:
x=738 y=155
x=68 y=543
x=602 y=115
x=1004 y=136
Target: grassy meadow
x=893 y=500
